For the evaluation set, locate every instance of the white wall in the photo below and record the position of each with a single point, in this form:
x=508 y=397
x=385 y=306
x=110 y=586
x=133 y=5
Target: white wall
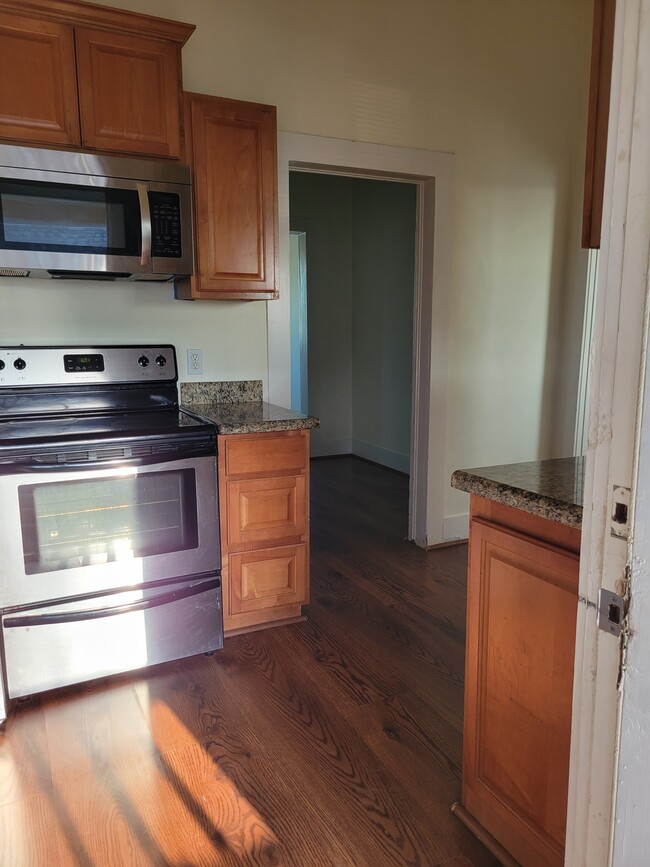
x=503 y=85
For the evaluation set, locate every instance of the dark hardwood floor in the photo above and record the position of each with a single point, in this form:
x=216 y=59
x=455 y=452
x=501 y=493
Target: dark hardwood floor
x=336 y=741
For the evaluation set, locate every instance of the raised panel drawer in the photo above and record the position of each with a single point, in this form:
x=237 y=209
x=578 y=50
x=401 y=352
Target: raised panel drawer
x=265 y=455
x=265 y=509
x=268 y=578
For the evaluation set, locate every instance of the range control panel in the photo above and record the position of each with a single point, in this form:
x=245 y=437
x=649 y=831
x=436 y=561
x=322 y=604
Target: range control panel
x=88 y=365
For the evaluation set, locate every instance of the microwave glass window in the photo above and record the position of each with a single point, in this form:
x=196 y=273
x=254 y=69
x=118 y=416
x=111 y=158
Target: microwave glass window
x=70 y=524
x=66 y=218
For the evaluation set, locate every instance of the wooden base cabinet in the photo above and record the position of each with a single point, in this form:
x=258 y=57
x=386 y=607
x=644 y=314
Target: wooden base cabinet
x=74 y=74
x=264 y=512
x=522 y=605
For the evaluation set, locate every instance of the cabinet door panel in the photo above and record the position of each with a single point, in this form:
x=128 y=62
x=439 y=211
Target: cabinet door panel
x=128 y=92
x=267 y=578
x=234 y=158
x=265 y=509
x=522 y=604
x=38 y=90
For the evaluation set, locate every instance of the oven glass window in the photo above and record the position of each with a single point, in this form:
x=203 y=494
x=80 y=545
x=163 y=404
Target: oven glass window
x=69 y=219
x=83 y=523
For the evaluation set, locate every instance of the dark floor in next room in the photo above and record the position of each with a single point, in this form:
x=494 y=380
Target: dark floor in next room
x=335 y=742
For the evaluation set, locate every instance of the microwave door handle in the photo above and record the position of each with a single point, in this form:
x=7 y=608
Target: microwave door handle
x=145 y=220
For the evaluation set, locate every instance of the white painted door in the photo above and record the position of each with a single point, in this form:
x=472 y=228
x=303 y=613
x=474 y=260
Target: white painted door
x=609 y=794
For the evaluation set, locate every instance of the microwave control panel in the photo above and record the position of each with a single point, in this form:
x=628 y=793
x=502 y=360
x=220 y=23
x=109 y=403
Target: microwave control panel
x=165 y=225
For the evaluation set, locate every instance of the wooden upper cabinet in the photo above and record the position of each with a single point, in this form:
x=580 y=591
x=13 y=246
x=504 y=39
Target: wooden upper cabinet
x=128 y=93
x=38 y=90
x=73 y=74
x=232 y=148
x=598 y=121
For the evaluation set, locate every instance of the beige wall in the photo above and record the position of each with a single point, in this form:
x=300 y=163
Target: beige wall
x=503 y=85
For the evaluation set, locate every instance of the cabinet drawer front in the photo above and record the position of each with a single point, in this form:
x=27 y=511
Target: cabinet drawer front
x=264 y=454
x=261 y=509
x=267 y=578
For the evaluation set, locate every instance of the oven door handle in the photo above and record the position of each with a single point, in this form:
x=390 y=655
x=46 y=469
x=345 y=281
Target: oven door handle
x=89 y=466
x=28 y=620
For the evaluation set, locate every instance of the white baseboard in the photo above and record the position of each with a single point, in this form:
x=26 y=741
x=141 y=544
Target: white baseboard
x=456 y=527
x=380 y=455
x=320 y=448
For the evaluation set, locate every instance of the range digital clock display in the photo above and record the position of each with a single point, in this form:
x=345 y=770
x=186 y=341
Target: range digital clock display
x=83 y=363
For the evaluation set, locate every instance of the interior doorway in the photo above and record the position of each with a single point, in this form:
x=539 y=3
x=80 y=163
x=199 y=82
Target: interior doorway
x=433 y=174
x=353 y=246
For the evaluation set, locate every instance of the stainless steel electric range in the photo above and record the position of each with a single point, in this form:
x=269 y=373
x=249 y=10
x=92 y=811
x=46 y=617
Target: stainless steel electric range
x=109 y=538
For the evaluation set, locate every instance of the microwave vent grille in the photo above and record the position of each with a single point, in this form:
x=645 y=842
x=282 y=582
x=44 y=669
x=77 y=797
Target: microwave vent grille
x=14 y=272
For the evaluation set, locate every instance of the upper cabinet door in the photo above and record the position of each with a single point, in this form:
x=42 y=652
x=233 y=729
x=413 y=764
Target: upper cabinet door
x=38 y=91
x=233 y=152
x=129 y=92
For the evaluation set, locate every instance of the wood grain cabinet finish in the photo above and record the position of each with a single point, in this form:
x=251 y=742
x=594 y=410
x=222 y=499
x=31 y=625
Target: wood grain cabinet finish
x=38 y=83
x=602 y=50
x=129 y=90
x=78 y=75
x=264 y=513
x=232 y=148
x=522 y=604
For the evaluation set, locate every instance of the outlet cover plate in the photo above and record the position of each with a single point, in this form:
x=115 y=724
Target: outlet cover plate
x=195 y=362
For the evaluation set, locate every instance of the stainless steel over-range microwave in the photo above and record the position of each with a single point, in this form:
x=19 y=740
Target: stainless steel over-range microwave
x=89 y=216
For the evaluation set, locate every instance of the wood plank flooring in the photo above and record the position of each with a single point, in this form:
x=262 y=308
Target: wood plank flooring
x=330 y=743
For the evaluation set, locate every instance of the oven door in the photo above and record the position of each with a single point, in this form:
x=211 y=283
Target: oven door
x=83 y=530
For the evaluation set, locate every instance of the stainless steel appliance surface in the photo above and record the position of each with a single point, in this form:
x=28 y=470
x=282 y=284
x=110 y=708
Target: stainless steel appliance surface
x=110 y=536
x=90 y=216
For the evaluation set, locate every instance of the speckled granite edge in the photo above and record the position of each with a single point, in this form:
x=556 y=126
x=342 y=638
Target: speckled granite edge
x=240 y=391
x=267 y=426
x=251 y=417
x=528 y=501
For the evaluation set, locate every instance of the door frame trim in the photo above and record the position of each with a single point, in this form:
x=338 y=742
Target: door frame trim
x=434 y=174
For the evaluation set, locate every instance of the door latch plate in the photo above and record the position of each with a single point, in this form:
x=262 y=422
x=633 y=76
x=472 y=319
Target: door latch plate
x=611 y=609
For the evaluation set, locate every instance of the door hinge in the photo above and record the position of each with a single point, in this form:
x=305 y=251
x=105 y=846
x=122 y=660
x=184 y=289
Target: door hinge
x=611 y=610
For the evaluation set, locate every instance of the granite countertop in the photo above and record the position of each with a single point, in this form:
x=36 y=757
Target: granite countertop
x=552 y=489
x=237 y=408
x=251 y=417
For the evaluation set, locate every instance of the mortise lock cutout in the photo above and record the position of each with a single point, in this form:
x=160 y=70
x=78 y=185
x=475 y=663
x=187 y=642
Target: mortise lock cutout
x=619 y=524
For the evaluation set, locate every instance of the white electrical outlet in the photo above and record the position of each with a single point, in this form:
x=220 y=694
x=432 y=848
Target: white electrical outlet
x=195 y=362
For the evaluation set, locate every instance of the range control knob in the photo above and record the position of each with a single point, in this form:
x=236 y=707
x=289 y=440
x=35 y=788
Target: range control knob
x=2 y=364
x=143 y=361
x=20 y=364
x=161 y=361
